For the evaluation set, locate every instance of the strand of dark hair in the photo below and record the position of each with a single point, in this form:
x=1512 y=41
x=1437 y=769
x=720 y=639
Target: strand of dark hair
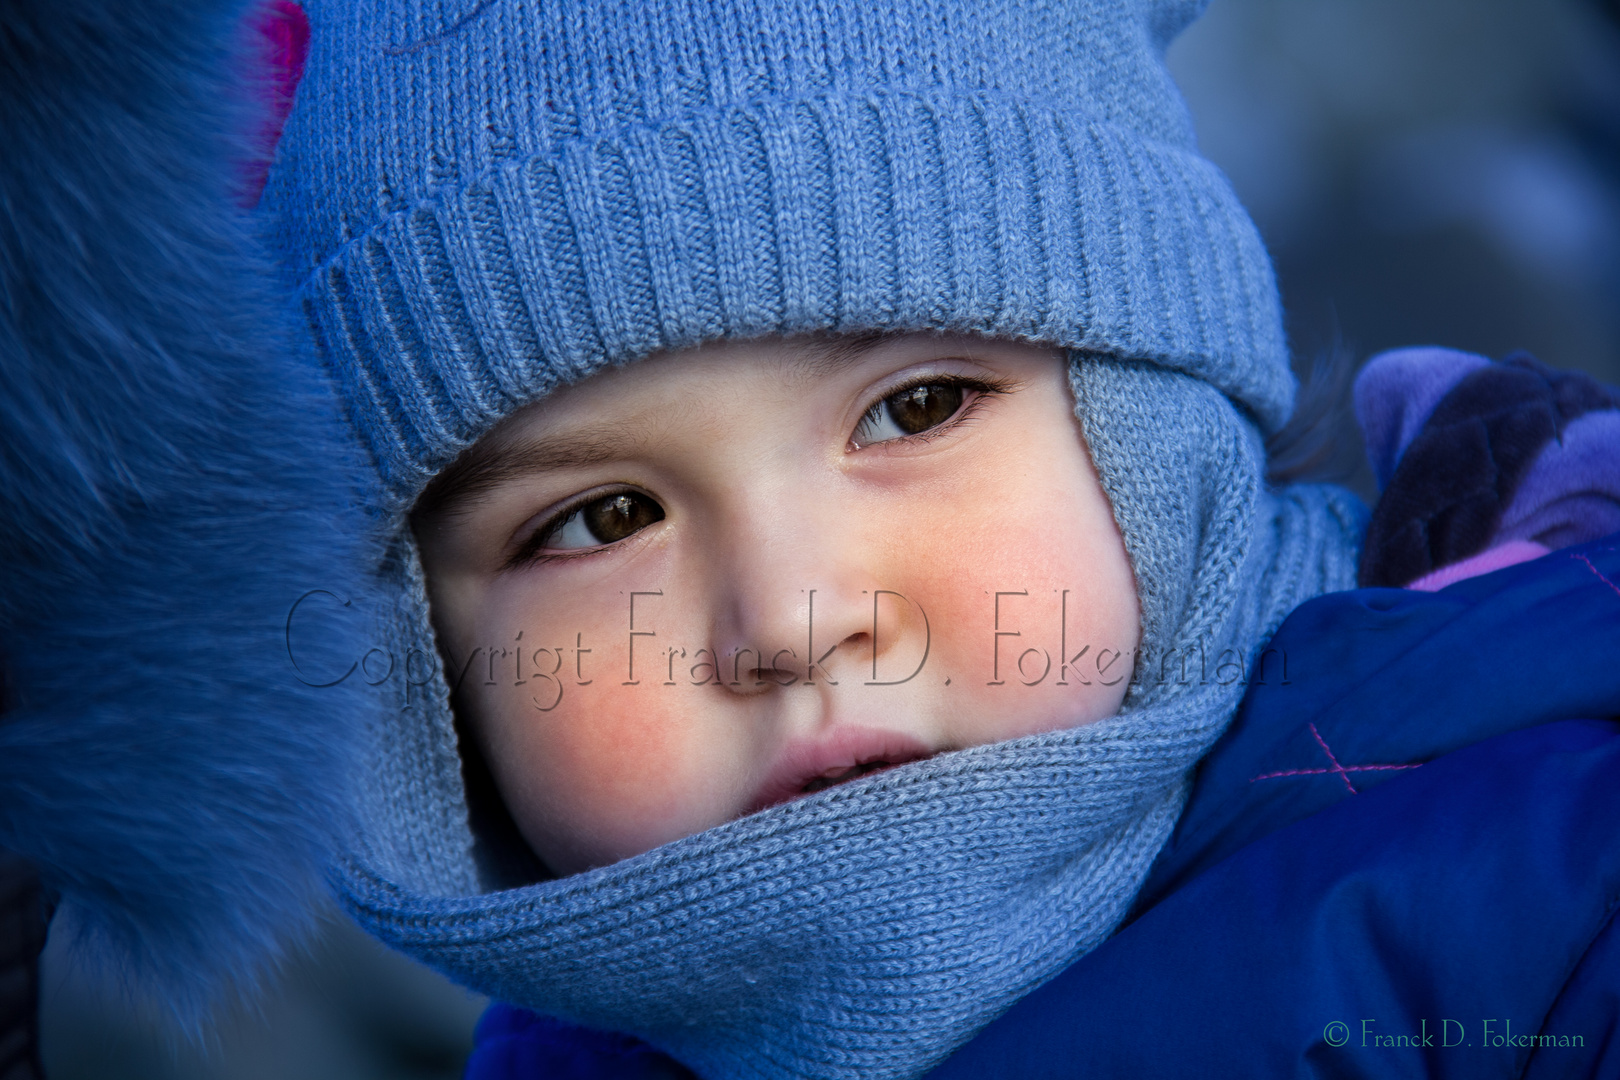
x=1321 y=441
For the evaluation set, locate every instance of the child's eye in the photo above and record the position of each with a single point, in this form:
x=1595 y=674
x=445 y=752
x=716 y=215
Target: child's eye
x=912 y=410
x=606 y=520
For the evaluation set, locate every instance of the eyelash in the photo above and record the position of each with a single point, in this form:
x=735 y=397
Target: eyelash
x=531 y=550
x=985 y=388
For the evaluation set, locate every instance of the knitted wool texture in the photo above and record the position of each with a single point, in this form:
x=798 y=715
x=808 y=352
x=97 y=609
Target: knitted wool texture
x=481 y=202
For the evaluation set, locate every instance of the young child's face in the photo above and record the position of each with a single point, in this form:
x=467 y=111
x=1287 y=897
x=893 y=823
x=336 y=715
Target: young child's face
x=841 y=554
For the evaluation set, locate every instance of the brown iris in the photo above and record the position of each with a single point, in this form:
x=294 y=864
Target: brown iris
x=614 y=517
x=918 y=408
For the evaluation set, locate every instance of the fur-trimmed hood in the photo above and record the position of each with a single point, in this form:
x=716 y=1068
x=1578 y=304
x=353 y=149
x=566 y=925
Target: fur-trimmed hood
x=173 y=477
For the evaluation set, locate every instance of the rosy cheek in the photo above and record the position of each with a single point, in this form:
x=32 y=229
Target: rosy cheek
x=1066 y=587
x=612 y=771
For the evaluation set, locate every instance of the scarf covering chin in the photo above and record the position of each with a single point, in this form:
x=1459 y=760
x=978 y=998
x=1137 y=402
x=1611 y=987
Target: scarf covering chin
x=869 y=930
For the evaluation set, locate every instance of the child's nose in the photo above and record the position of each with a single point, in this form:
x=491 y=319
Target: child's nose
x=806 y=600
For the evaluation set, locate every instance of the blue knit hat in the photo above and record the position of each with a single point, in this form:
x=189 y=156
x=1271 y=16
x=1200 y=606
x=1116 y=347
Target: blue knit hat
x=481 y=200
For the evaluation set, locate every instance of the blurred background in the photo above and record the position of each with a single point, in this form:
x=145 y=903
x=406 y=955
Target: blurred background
x=343 y=1009
x=1424 y=172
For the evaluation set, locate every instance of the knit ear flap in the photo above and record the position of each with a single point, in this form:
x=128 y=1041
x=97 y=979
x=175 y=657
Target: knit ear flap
x=280 y=41
x=1168 y=18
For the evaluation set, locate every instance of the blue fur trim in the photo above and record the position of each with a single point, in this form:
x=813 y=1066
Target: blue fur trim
x=173 y=476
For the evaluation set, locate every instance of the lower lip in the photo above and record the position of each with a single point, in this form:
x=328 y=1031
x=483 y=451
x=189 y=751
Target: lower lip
x=843 y=751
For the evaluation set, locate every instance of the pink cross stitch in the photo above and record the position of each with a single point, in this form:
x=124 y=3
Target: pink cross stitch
x=1343 y=771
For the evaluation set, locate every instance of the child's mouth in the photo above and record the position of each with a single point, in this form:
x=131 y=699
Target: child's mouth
x=827 y=780
x=806 y=766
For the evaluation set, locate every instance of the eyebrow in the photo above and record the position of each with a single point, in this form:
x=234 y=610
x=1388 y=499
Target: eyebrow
x=483 y=467
x=826 y=356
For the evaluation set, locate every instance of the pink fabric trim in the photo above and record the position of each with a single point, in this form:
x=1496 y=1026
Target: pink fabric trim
x=283 y=32
x=1508 y=554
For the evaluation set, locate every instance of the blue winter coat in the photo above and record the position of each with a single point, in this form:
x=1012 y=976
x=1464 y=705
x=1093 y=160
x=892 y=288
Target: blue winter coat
x=1326 y=908
x=1402 y=860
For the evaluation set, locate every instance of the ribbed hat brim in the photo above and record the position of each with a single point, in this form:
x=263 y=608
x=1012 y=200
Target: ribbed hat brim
x=884 y=212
